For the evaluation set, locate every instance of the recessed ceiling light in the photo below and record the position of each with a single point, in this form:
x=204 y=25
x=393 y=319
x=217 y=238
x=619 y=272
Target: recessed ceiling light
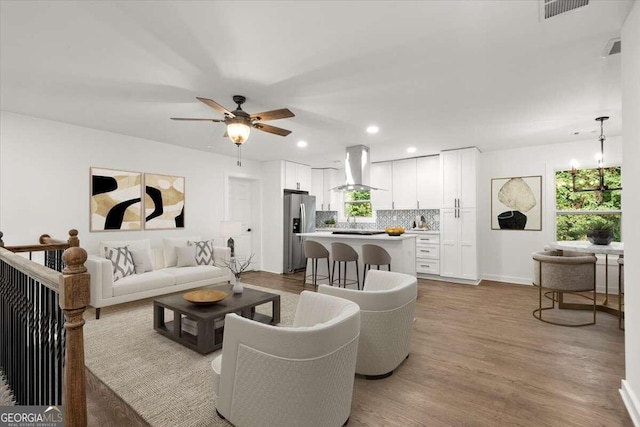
x=373 y=129
x=411 y=150
x=302 y=144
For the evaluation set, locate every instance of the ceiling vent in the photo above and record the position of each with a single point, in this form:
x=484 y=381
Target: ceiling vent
x=613 y=47
x=551 y=8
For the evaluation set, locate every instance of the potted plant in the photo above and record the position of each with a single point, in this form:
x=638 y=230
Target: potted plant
x=330 y=223
x=600 y=232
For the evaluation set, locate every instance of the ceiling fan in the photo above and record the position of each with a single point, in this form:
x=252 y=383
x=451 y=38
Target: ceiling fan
x=239 y=122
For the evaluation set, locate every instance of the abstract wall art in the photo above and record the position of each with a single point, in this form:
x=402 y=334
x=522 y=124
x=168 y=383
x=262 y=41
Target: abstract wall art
x=116 y=202
x=516 y=203
x=163 y=201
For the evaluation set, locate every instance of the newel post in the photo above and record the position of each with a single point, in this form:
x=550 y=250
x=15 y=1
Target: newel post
x=73 y=239
x=74 y=298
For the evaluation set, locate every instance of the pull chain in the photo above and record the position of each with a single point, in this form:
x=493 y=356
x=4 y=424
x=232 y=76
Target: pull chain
x=239 y=161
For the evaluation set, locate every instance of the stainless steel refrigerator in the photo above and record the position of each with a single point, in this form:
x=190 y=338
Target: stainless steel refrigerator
x=299 y=217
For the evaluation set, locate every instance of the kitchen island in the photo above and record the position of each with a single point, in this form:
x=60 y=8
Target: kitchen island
x=401 y=248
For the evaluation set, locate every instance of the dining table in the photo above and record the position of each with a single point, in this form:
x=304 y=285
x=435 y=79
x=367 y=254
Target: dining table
x=613 y=248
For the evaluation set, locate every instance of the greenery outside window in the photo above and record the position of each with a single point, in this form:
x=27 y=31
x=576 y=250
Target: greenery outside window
x=357 y=203
x=577 y=211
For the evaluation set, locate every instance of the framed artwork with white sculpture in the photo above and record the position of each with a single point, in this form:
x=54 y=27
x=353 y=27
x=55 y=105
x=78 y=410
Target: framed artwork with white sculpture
x=516 y=203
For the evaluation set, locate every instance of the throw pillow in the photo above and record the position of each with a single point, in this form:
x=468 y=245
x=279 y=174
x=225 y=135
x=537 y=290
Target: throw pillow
x=186 y=256
x=169 y=248
x=204 y=252
x=141 y=260
x=122 y=262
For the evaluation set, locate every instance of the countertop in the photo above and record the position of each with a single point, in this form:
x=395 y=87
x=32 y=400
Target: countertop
x=614 y=248
x=407 y=231
x=420 y=231
x=329 y=235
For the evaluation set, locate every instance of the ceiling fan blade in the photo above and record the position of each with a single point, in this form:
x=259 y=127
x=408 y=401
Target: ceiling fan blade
x=213 y=104
x=282 y=113
x=199 y=120
x=271 y=129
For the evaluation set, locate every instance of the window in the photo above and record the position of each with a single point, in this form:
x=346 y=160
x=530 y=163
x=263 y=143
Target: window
x=576 y=211
x=357 y=203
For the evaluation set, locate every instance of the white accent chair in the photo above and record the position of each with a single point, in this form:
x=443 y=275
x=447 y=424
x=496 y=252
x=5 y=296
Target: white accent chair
x=289 y=376
x=387 y=303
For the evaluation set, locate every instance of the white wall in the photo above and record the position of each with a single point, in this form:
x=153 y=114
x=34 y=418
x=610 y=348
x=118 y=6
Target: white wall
x=631 y=207
x=44 y=180
x=272 y=219
x=505 y=255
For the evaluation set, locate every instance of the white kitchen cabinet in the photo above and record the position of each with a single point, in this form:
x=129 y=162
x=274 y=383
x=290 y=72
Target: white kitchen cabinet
x=322 y=181
x=317 y=187
x=458 y=247
x=297 y=176
x=458 y=171
x=330 y=178
x=429 y=187
x=404 y=184
x=428 y=254
x=382 y=177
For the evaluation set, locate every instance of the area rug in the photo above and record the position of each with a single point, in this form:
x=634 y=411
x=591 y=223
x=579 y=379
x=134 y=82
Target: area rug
x=164 y=382
x=6 y=396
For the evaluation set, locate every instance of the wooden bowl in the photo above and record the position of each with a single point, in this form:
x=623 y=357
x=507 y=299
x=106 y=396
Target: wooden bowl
x=204 y=296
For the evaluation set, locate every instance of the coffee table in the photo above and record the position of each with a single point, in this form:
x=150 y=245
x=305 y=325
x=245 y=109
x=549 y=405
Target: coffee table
x=209 y=317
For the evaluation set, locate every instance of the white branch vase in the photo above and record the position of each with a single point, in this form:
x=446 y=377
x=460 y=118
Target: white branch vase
x=237 y=286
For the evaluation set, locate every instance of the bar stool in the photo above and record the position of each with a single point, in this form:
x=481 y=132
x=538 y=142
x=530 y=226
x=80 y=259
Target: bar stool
x=315 y=251
x=374 y=255
x=343 y=253
x=621 y=292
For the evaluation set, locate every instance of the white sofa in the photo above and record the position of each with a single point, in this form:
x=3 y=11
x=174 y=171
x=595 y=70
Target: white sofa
x=387 y=303
x=165 y=277
x=295 y=376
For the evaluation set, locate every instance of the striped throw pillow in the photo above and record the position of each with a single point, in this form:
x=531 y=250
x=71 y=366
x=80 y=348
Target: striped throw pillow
x=122 y=262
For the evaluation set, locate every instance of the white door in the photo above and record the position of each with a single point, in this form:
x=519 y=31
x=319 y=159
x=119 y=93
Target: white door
x=241 y=197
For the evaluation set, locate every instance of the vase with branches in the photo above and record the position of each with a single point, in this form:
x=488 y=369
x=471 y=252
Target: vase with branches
x=237 y=266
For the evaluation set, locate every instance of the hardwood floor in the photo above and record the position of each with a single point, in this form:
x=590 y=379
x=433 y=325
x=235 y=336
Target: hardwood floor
x=479 y=358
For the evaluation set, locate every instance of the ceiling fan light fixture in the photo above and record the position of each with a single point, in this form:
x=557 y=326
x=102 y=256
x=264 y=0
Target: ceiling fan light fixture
x=238 y=131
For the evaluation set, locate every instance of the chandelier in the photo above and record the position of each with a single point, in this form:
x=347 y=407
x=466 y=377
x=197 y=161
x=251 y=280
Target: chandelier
x=600 y=157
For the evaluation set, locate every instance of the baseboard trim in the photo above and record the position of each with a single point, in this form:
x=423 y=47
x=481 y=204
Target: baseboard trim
x=507 y=279
x=631 y=401
x=459 y=281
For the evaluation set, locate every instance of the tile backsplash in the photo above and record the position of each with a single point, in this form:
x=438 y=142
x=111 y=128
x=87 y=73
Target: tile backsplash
x=384 y=219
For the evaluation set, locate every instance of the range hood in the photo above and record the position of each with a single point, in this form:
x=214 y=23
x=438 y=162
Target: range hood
x=357 y=170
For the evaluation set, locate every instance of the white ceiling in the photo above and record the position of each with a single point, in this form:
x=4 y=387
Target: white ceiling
x=430 y=74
